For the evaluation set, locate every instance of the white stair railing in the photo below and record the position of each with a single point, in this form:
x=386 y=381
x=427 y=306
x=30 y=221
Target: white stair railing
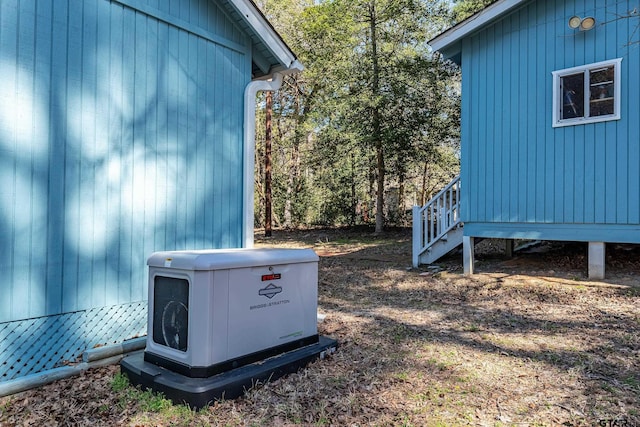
x=433 y=221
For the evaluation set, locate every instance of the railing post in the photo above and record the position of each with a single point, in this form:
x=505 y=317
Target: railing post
x=432 y=225
x=458 y=200
x=416 y=218
x=450 y=210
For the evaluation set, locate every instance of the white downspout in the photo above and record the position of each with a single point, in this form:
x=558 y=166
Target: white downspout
x=250 y=93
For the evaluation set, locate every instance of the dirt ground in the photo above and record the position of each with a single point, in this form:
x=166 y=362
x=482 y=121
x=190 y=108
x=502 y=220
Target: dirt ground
x=525 y=341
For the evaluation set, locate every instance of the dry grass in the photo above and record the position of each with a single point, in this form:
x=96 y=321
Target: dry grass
x=527 y=341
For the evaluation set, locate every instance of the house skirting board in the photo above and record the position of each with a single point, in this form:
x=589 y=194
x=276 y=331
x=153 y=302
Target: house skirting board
x=613 y=233
x=41 y=344
x=595 y=235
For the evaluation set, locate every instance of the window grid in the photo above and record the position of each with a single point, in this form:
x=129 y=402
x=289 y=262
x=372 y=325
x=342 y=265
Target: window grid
x=587 y=94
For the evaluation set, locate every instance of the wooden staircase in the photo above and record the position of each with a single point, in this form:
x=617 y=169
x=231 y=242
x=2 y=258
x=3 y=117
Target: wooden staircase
x=437 y=229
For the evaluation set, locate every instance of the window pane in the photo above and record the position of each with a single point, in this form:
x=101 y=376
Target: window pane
x=572 y=96
x=601 y=82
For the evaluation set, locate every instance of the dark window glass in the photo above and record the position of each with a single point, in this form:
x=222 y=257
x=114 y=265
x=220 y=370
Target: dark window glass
x=601 y=84
x=572 y=96
x=171 y=312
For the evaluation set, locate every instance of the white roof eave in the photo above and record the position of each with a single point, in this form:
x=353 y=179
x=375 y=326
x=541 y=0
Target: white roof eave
x=268 y=35
x=453 y=35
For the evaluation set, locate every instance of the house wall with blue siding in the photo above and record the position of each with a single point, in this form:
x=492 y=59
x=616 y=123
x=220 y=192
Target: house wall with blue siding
x=120 y=135
x=522 y=177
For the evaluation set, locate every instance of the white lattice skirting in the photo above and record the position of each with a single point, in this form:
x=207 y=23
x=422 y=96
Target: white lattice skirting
x=35 y=345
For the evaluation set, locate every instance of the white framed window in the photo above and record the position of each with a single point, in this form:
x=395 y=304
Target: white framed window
x=587 y=94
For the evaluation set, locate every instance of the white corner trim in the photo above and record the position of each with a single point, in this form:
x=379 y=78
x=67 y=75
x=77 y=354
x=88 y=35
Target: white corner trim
x=469 y=25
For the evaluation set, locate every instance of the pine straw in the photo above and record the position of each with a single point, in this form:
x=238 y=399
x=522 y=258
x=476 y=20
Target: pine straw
x=527 y=341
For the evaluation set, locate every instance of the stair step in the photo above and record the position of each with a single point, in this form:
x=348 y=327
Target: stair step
x=440 y=215
x=442 y=247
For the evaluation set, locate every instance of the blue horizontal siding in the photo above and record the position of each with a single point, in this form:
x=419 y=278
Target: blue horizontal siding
x=517 y=168
x=120 y=135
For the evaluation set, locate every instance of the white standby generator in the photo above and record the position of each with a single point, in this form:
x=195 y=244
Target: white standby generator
x=215 y=310
x=222 y=321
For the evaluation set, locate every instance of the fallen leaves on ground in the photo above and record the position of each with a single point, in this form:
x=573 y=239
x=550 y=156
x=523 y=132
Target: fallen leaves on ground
x=526 y=341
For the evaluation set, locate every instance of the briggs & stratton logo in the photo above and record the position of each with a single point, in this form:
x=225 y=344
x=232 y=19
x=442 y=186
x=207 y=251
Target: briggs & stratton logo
x=270 y=291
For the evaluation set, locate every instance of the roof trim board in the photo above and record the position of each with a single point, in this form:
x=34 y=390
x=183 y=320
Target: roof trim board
x=267 y=34
x=261 y=62
x=448 y=41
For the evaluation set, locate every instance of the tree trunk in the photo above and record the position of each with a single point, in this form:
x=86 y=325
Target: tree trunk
x=401 y=208
x=354 y=201
x=292 y=181
x=267 y=167
x=371 y=195
x=380 y=190
x=376 y=120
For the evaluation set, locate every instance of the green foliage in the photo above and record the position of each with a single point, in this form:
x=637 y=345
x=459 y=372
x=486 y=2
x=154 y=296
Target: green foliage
x=119 y=383
x=150 y=402
x=372 y=110
x=465 y=8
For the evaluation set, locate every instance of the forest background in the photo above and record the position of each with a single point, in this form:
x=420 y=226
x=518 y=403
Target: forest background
x=371 y=126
